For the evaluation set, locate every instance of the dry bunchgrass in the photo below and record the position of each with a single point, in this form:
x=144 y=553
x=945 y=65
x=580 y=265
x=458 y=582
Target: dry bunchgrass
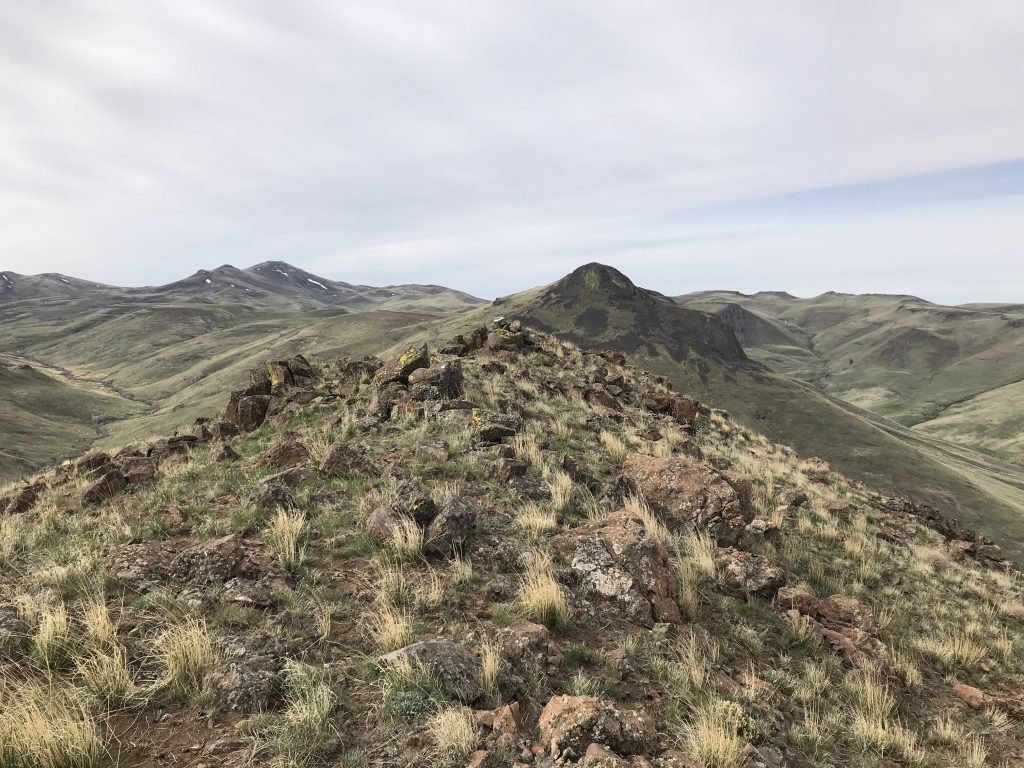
x=635 y=505
x=391 y=627
x=186 y=651
x=99 y=627
x=713 y=737
x=527 y=449
x=689 y=598
x=323 y=621
x=535 y=520
x=462 y=570
x=429 y=591
x=105 y=674
x=47 y=728
x=284 y=537
x=490 y=666
x=947 y=731
x=561 y=429
x=12 y=538
x=701 y=550
x=540 y=594
x=955 y=648
x=307 y=725
x=454 y=735
x=614 y=445
x=52 y=640
x=561 y=487
x=407 y=540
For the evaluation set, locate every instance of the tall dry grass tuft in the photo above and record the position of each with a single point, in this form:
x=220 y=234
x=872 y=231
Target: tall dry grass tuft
x=186 y=651
x=540 y=594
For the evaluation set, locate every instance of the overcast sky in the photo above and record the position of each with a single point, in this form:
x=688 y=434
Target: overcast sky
x=492 y=145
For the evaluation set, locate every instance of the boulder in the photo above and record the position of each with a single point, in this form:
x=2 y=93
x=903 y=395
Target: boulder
x=397 y=369
x=568 y=725
x=529 y=646
x=288 y=452
x=490 y=427
x=138 y=470
x=109 y=484
x=22 y=500
x=450 y=531
x=617 y=560
x=246 y=679
x=748 y=574
x=344 y=460
x=443 y=380
x=505 y=340
x=250 y=412
x=599 y=756
x=453 y=669
x=222 y=451
x=686 y=493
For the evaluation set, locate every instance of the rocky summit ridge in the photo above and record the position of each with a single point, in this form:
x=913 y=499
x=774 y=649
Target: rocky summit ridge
x=496 y=550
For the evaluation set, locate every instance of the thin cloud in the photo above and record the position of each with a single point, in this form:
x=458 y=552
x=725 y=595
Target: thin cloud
x=483 y=145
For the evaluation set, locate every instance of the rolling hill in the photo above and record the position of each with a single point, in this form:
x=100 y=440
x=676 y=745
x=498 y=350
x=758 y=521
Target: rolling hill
x=600 y=308
x=123 y=363
x=948 y=372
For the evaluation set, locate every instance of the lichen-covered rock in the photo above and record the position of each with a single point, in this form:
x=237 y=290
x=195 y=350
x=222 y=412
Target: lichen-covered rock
x=569 y=724
x=138 y=470
x=22 y=500
x=221 y=452
x=246 y=679
x=491 y=427
x=454 y=670
x=599 y=756
x=748 y=574
x=344 y=460
x=449 y=532
x=687 y=493
x=107 y=485
x=397 y=369
x=616 y=559
x=844 y=624
x=249 y=412
x=527 y=646
x=289 y=451
x=442 y=380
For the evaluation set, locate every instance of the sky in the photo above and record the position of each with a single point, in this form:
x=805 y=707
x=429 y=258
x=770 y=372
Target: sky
x=802 y=145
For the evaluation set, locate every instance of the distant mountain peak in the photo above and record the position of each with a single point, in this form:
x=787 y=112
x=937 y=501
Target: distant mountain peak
x=600 y=278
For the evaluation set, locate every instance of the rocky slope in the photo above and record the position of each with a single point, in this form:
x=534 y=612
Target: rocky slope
x=507 y=552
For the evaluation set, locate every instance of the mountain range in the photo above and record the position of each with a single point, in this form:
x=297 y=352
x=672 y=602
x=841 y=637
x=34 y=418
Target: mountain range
x=907 y=396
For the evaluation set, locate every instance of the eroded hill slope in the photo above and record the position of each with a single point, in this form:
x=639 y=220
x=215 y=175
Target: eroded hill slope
x=509 y=552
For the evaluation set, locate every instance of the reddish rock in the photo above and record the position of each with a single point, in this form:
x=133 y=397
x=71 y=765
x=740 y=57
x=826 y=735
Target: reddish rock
x=969 y=695
x=569 y=724
x=599 y=756
x=616 y=559
x=686 y=492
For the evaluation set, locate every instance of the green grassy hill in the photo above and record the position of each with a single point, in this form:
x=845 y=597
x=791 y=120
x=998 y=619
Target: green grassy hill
x=130 y=362
x=897 y=356
x=702 y=357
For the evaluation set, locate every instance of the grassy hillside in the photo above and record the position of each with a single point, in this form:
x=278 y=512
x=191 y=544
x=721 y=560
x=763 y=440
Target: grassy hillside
x=984 y=490
x=45 y=415
x=897 y=356
x=536 y=580
x=147 y=360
